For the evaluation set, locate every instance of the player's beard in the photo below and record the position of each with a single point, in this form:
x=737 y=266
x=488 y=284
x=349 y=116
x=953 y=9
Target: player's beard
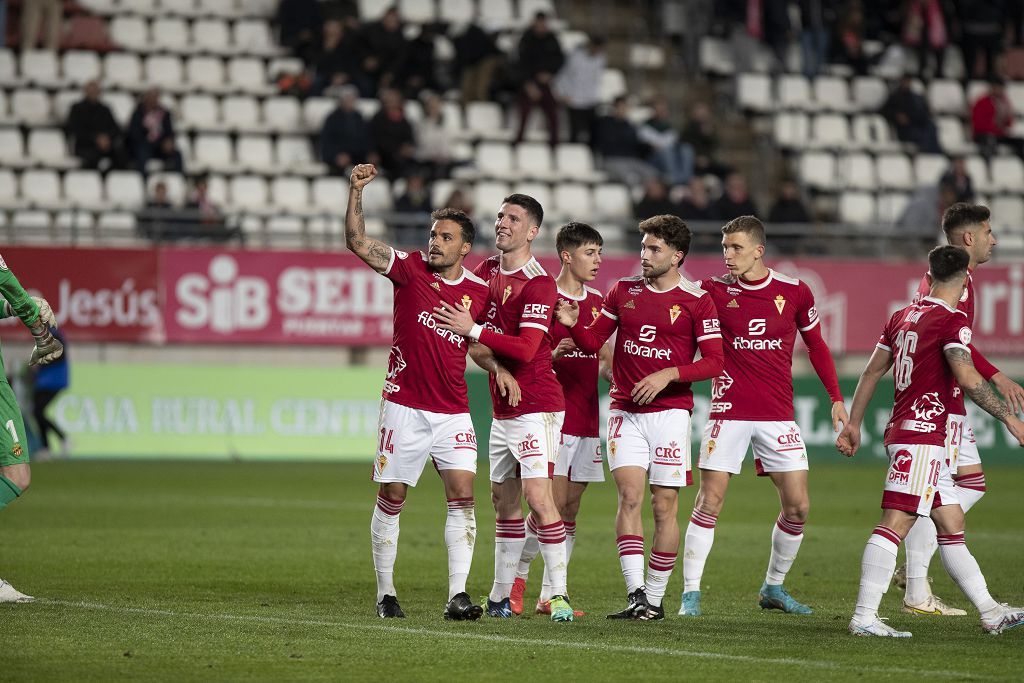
x=439 y=262
x=653 y=272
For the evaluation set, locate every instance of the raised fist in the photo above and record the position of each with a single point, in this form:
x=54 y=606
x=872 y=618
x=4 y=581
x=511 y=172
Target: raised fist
x=361 y=175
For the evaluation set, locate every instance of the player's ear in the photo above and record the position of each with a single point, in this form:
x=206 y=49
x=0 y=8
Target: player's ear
x=930 y=279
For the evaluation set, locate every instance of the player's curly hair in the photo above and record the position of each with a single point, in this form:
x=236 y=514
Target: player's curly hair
x=948 y=262
x=961 y=216
x=531 y=205
x=456 y=216
x=748 y=225
x=574 y=234
x=672 y=229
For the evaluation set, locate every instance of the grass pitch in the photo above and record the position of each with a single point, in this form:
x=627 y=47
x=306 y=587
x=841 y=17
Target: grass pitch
x=184 y=571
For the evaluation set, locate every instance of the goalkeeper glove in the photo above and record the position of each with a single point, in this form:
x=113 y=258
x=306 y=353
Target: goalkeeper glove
x=45 y=312
x=48 y=348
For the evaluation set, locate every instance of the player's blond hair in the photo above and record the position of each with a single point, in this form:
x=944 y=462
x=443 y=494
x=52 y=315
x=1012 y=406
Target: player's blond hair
x=748 y=225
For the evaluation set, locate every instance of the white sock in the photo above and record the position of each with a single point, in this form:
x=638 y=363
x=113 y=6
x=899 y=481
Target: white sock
x=631 y=560
x=658 y=572
x=530 y=549
x=964 y=570
x=552 y=549
x=921 y=545
x=969 y=489
x=876 y=570
x=700 y=536
x=460 y=537
x=787 y=536
x=384 y=541
x=546 y=589
x=509 y=537
x=570 y=539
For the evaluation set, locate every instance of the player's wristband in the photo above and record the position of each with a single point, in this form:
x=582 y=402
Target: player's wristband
x=475 y=332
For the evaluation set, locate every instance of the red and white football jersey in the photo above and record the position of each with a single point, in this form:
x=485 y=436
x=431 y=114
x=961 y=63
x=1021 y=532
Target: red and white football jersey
x=427 y=366
x=656 y=330
x=917 y=336
x=577 y=371
x=759 y=326
x=966 y=305
x=523 y=298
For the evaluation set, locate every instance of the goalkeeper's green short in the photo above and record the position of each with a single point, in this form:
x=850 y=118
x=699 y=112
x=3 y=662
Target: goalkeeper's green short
x=13 y=442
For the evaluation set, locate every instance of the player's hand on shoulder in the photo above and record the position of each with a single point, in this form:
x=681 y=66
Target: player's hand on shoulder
x=453 y=318
x=567 y=312
x=362 y=174
x=647 y=389
x=564 y=347
x=839 y=416
x=508 y=387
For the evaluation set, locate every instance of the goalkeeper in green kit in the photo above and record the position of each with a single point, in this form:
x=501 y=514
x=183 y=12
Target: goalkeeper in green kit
x=14 y=469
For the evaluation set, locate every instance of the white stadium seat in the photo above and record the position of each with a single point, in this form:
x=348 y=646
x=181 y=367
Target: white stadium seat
x=294 y=153
x=895 y=172
x=928 y=168
x=8 y=68
x=754 y=92
x=869 y=93
x=330 y=194
x=84 y=189
x=41 y=187
x=818 y=170
x=253 y=36
x=485 y=120
x=487 y=197
x=241 y=112
x=612 y=200
x=315 y=110
x=214 y=151
x=211 y=35
x=48 y=146
x=857 y=207
x=12 y=147
x=1008 y=214
x=175 y=186
x=576 y=162
x=122 y=69
x=200 y=112
x=130 y=32
x=9 y=189
x=832 y=94
x=282 y=114
x=792 y=129
x=40 y=67
x=858 y=172
x=946 y=97
x=871 y=132
x=248 y=193
x=205 y=73
x=573 y=199
x=891 y=205
x=255 y=153
x=794 y=92
x=290 y=193
x=125 y=190
x=377 y=196
x=171 y=34
x=496 y=13
x=164 y=71
x=247 y=74
x=494 y=159
x=455 y=11
x=81 y=66
x=30 y=106
x=830 y=131
x=1007 y=174
x=533 y=159
x=977 y=168
x=417 y=11
x=122 y=104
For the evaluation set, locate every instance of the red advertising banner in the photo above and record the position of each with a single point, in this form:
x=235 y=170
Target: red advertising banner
x=96 y=294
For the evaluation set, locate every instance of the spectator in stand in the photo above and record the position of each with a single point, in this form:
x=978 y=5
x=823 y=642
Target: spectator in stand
x=158 y=220
x=735 y=200
x=959 y=179
x=32 y=12
x=476 y=58
x=909 y=114
x=924 y=28
x=982 y=25
x=789 y=208
x=417 y=70
x=393 y=135
x=413 y=207
x=992 y=121
x=849 y=42
x=619 y=146
x=433 y=138
x=95 y=135
x=817 y=17
x=669 y=154
x=696 y=205
x=925 y=210
x=775 y=30
x=701 y=135
x=578 y=85
x=336 y=62
x=345 y=138
x=207 y=216
x=298 y=24
x=382 y=48
x=540 y=58
x=151 y=133
x=655 y=201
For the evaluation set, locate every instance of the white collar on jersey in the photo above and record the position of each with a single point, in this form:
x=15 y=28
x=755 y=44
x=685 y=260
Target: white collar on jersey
x=940 y=302
x=461 y=277
x=570 y=297
x=683 y=284
x=767 y=281
x=531 y=268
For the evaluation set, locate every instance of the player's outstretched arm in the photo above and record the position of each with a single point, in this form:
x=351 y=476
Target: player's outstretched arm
x=48 y=348
x=975 y=386
x=507 y=385
x=879 y=364
x=374 y=253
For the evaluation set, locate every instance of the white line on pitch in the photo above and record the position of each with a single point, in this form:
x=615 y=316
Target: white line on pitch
x=539 y=642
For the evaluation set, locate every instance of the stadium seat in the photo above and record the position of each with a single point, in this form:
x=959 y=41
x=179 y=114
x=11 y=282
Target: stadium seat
x=247 y=75
x=252 y=36
x=952 y=136
x=290 y=193
x=241 y=113
x=255 y=153
x=80 y=66
x=977 y=168
x=794 y=92
x=47 y=146
x=212 y=35
x=205 y=73
x=330 y=194
x=41 y=188
x=228 y=9
x=928 y=168
x=12 y=148
x=496 y=14
x=818 y=170
x=117 y=224
x=890 y=206
x=282 y=114
x=858 y=172
x=122 y=69
x=487 y=197
x=368 y=107
x=832 y=94
x=871 y=132
x=440 y=190
x=641 y=55
x=528 y=8
x=895 y=172
x=857 y=208
x=494 y=160
x=539 y=191
x=613 y=84
x=249 y=193
x=40 y=68
x=165 y=72
x=716 y=57
x=975 y=90
x=145 y=8
x=122 y=104
x=125 y=190
x=533 y=160
x=182 y=8
x=286 y=231
x=217 y=190
x=130 y=32
x=576 y=162
x=946 y=97
x=175 y=183
x=9 y=198
x=294 y=153
x=199 y=112
x=455 y=11
x=792 y=129
x=74 y=226
x=33 y=226
x=830 y=131
x=315 y=110
x=371 y=10
x=754 y=92
x=8 y=68
x=572 y=199
x=1014 y=91
x=612 y=201
x=30 y=107
x=171 y=34
x=1008 y=214
x=869 y=93
x=486 y=120
x=84 y=189
x=213 y=151
x=417 y=11
x=1007 y=174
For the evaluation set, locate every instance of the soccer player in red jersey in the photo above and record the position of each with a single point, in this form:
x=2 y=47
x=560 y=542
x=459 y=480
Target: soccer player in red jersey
x=966 y=226
x=425 y=408
x=662 y=319
x=927 y=345
x=524 y=438
x=752 y=406
x=579 y=460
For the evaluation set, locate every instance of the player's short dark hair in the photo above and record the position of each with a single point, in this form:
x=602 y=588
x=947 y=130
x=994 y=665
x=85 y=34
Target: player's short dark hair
x=456 y=216
x=961 y=216
x=947 y=262
x=574 y=234
x=532 y=206
x=748 y=225
x=672 y=229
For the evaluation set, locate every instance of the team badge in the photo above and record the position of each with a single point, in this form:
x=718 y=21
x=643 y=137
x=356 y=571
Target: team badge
x=780 y=303
x=16 y=450
x=928 y=493
x=612 y=448
x=506 y=294
x=467 y=301
x=673 y=313
x=732 y=304
x=629 y=304
x=382 y=461
x=711 y=446
x=436 y=286
x=594 y=312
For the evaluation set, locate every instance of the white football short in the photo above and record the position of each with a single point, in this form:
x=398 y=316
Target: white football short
x=525 y=447
x=659 y=442
x=406 y=437
x=918 y=479
x=579 y=459
x=778 y=446
x=961 y=444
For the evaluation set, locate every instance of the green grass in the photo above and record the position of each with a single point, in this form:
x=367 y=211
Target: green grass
x=184 y=571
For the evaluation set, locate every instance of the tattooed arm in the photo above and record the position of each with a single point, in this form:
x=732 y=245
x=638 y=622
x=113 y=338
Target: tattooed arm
x=375 y=254
x=975 y=386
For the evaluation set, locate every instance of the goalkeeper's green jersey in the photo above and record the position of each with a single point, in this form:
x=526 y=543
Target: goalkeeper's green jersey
x=21 y=303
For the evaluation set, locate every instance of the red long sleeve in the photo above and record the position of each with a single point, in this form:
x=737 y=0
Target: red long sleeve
x=521 y=347
x=981 y=363
x=710 y=365
x=821 y=359
x=591 y=339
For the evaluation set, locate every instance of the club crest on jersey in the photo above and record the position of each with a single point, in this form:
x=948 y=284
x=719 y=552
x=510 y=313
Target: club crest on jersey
x=780 y=303
x=436 y=285
x=506 y=294
x=467 y=301
x=594 y=312
x=16 y=450
x=382 y=461
x=673 y=313
x=612 y=447
x=732 y=304
x=629 y=304
x=711 y=447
